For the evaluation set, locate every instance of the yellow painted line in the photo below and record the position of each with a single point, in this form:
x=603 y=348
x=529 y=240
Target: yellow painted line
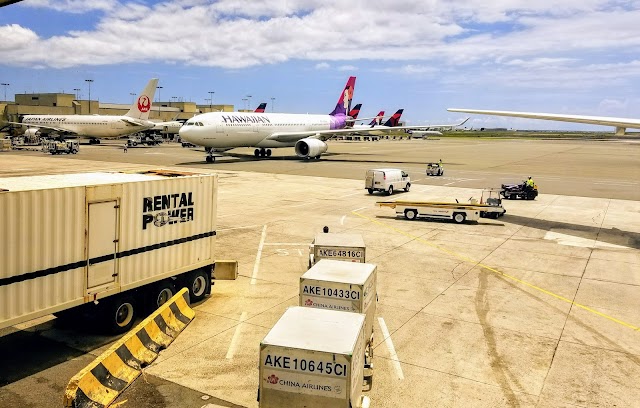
x=467 y=259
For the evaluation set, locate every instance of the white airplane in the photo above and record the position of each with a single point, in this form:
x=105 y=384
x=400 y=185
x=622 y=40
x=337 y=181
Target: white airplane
x=375 y=127
x=222 y=131
x=95 y=126
x=621 y=124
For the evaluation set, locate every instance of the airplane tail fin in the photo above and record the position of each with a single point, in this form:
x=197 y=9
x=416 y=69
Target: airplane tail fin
x=344 y=100
x=142 y=106
x=377 y=120
x=355 y=111
x=261 y=108
x=393 y=120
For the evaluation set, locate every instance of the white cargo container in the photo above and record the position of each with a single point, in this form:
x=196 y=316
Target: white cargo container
x=313 y=358
x=105 y=243
x=337 y=246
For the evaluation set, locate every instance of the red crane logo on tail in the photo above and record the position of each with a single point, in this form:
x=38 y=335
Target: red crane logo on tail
x=144 y=104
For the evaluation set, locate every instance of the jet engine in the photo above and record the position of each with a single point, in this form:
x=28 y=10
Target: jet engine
x=31 y=132
x=309 y=147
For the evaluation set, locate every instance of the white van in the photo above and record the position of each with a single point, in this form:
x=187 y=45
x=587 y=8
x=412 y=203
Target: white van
x=386 y=180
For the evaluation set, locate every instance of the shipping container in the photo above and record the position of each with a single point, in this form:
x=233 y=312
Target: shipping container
x=111 y=243
x=337 y=246
x=313 y=358
x=347 y=287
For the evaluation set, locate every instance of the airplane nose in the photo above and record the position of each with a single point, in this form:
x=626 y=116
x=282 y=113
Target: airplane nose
x=185 y=133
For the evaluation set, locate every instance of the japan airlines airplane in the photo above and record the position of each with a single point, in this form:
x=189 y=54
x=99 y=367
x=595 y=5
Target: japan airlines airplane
x=95 y=126
x=621 y=124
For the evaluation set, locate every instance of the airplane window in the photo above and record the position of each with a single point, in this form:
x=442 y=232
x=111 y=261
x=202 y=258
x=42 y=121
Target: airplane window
x=189 y=124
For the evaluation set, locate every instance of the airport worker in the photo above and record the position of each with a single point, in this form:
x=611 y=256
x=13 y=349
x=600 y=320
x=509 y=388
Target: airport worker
x=530 y=182
x=125 y=148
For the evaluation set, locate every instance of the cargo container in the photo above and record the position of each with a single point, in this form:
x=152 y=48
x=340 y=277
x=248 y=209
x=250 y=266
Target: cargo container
x=107 y=244
x=347 y=287
x=337 y=246
x=313 y=358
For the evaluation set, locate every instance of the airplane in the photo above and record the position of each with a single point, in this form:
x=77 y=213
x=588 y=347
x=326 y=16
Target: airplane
x=307 y=134
x=95 y=126
x=620 y=124
x=261 y=108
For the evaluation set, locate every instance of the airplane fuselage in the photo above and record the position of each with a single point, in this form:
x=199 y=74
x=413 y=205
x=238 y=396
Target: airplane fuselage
x=98 y=126
x=241 y=129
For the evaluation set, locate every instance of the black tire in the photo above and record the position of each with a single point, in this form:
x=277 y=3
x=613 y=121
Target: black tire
x=199 y=284
x=459 y=218
x=159 y=294
x=119 y=313
x=411 y=214
x=390 y=190
x=209 y=159
x=407 y=187
x=268 y=152
x=370 y=190
x=75 y=151
x=442 y=173
x=256 y=152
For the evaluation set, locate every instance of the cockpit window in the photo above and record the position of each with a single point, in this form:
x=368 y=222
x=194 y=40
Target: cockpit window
x=199 y=124
x=189 y=123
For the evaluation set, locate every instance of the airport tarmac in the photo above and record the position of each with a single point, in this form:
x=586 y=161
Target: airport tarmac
x=537 y=309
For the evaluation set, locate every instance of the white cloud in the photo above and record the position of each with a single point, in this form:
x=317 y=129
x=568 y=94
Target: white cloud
x=15 y=37
x=347 y=68
x=72 y=6
x=322 y=65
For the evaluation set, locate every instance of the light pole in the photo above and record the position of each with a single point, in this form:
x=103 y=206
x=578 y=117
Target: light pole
x=5 y=90
x=77 y=90
x=211 y=100
x=133 y=96
x=89 y=81
x=174 y=98
x=249 y=104
x=159 y=88
x=245 y=103
x=273 y=104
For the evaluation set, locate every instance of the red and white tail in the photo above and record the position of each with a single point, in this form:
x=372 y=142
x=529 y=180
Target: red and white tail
x=142 y=105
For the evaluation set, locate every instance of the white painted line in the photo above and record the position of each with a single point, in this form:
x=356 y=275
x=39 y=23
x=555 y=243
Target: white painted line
x=236 y=335
x=358 y=209
x=392 y=350
x=256 y=265
x=415 y=181
x=342 y=219
x=286 y=243
x=448 y=184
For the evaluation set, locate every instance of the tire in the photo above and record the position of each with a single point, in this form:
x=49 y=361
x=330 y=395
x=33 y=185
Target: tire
x=268 y=152
x=134 y=144
x=442 y=173
x=407 y=187
x=459 y=218
x=390 y=190
x=75 y=151
x=199 y=284
x=159 y=294
x=120 y=313
x=209 y=159
x=411 y=214
x=256 y=152
x=370 y=190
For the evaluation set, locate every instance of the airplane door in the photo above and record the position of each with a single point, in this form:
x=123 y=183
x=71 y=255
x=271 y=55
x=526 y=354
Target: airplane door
x=102 y=245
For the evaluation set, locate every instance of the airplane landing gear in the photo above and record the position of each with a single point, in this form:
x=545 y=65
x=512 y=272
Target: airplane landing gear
x=94 y=141
x=262 y=152
x=211 y=159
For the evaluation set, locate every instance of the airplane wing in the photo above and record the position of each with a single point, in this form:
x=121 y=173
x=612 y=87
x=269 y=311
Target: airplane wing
x=619 y=123
x=57 y=129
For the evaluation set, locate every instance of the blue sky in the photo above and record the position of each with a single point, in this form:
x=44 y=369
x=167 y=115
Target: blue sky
x=579 y=56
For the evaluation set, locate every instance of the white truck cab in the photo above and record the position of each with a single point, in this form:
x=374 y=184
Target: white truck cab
x=387 y=180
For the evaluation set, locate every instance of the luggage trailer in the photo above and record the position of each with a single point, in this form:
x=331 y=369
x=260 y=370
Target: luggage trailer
x=457 y=212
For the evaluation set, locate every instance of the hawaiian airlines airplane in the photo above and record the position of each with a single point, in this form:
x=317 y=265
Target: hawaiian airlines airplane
x=621 y=124
x=307 y=134
x=95 y=126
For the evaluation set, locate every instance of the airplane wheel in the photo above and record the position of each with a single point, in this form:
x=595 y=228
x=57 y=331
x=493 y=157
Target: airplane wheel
x=210 y=159
x=268 y=152
x=256 y=153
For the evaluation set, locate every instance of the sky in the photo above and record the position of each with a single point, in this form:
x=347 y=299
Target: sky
x=570 y=56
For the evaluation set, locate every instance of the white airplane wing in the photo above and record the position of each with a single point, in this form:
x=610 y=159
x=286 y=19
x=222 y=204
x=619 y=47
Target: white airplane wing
x=619 y=123
x=57 y=129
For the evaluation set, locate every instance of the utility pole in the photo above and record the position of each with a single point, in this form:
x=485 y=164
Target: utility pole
x=89 y=81
x=133 y=95
x=249 y=105
x=211 y=100
x=245 y=103
x=159 y=88
x=77 y=90
x=273 y=104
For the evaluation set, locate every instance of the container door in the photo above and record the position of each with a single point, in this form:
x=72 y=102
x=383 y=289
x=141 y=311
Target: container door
x=103 y=242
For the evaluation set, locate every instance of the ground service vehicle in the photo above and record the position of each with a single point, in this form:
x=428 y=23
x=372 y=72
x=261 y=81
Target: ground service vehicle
x=61 y=146
x=342 y=247
x=347 y=287
x=386 y=180
x=434 y=169
x=104 y=245
x=313 y=358
x=143 y=138
x=457 y=212
x=514 y=191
